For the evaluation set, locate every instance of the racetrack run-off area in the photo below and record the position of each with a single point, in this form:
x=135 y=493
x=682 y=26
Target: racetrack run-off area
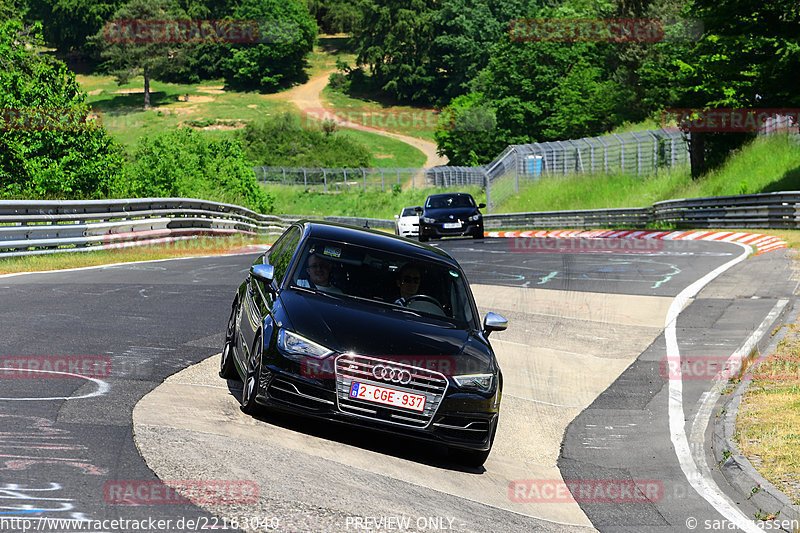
x=584 y=397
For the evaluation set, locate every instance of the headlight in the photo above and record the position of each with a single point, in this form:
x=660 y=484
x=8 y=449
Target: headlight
x=475 y=218
x=427 y=220
x=296 y=347
x=482 y=382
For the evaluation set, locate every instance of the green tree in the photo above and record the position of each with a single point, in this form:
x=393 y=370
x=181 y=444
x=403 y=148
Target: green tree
x=394 y=41
x=464 y=33
x=49 y=145
x=187 y=163
x=288 y=33
x=467 y=131
x=335 y=16
x=749 y=56
x=128 y=54
x=68 y=24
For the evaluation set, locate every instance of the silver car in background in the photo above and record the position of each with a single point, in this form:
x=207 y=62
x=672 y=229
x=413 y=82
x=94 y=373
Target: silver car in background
x=406 y=224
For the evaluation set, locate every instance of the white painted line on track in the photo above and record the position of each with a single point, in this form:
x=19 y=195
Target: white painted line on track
x=102 y=386
x=701 y=482
x=708 y=399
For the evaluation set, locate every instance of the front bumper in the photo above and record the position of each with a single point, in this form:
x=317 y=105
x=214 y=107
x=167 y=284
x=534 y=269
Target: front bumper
x=461 y=420
x=437 y=230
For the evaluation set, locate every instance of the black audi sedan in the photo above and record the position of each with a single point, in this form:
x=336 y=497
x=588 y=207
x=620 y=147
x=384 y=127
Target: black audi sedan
x=366 y=328
x=450 y=214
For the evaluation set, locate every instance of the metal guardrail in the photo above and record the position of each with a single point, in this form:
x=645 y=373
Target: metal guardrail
x=635 y=217
x=779 y=210
x=50 y=226
x=30 y=227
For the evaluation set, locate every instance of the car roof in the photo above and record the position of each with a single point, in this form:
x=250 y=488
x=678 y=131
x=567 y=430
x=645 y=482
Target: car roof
x=446 y=194
x=371 y=238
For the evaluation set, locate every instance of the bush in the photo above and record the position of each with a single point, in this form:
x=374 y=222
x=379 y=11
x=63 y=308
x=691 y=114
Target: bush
x=282 y=141
x=187 y=163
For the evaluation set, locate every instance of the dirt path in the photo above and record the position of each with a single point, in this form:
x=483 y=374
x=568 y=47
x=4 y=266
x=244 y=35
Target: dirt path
x=308 y=98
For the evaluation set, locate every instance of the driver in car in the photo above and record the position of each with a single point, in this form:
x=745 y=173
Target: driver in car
x=408 y=281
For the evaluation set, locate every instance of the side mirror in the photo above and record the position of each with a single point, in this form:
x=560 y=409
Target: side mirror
x=494 y=322
x=481 y=206
x=418 y=209
x=396 y=217
x=263 y=273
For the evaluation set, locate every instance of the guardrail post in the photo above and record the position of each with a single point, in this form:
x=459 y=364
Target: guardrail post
x=488 y=191
x=621 y=151
x=381 y=178
x=305 y=179
x=324 y=179
x=284 y=175
x=398 y=175
x=364 y=174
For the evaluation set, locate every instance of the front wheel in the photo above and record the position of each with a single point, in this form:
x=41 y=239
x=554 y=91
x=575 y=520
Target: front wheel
x=422 y=238
x=250 y=388
x=227 y=368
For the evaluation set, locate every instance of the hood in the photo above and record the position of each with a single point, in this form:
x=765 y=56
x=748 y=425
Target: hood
x=347 y=325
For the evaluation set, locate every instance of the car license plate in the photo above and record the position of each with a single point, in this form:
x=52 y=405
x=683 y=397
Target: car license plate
x=393 y=397
x=452 y=225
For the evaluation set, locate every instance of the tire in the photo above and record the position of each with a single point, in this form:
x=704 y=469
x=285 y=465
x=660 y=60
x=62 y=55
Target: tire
x=422 y=238
x=478 y=235
x=470 y=458
x=250 y=388
x=227 y=368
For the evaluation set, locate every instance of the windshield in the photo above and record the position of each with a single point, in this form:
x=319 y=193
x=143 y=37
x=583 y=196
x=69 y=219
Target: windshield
x=409 y=212
x=442 y=202
x=422 y=286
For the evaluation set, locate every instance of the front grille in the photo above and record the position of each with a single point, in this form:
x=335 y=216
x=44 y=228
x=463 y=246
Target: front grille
x=351 y=368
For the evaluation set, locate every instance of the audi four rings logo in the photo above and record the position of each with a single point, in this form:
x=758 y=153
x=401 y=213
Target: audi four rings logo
x=395 y=375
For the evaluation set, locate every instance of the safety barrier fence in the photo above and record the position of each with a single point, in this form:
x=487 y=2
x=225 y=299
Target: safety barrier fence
x=30 y=227
x=49 y=226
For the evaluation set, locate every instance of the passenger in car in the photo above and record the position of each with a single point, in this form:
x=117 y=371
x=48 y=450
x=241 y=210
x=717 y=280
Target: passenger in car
x=319 y=274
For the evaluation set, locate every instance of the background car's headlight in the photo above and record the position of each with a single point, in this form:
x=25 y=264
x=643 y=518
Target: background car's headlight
x=296 y=346
x=427 y=220
x=482 y=382
x=475 y=218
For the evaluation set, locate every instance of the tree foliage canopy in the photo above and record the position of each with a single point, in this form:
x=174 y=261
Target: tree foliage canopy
x=49 y=145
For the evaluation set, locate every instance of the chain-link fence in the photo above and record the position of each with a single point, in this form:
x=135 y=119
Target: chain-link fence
x=639 y=152
x=342 y=179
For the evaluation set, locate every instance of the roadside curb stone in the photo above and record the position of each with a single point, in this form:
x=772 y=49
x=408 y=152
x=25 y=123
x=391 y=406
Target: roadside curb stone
x=736 y=468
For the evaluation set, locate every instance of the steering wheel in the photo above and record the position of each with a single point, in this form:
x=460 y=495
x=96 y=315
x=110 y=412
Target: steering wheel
x=405 y=301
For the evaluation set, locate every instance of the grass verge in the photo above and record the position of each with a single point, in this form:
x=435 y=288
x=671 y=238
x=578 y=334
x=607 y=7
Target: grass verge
x=355 y=203
x=768 y=164
x=768 y=422
x=194 y=247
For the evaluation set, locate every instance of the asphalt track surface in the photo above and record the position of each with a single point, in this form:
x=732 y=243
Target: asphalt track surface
x=67 y=441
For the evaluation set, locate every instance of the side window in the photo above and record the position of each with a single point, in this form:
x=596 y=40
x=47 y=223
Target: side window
x=281 y=254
